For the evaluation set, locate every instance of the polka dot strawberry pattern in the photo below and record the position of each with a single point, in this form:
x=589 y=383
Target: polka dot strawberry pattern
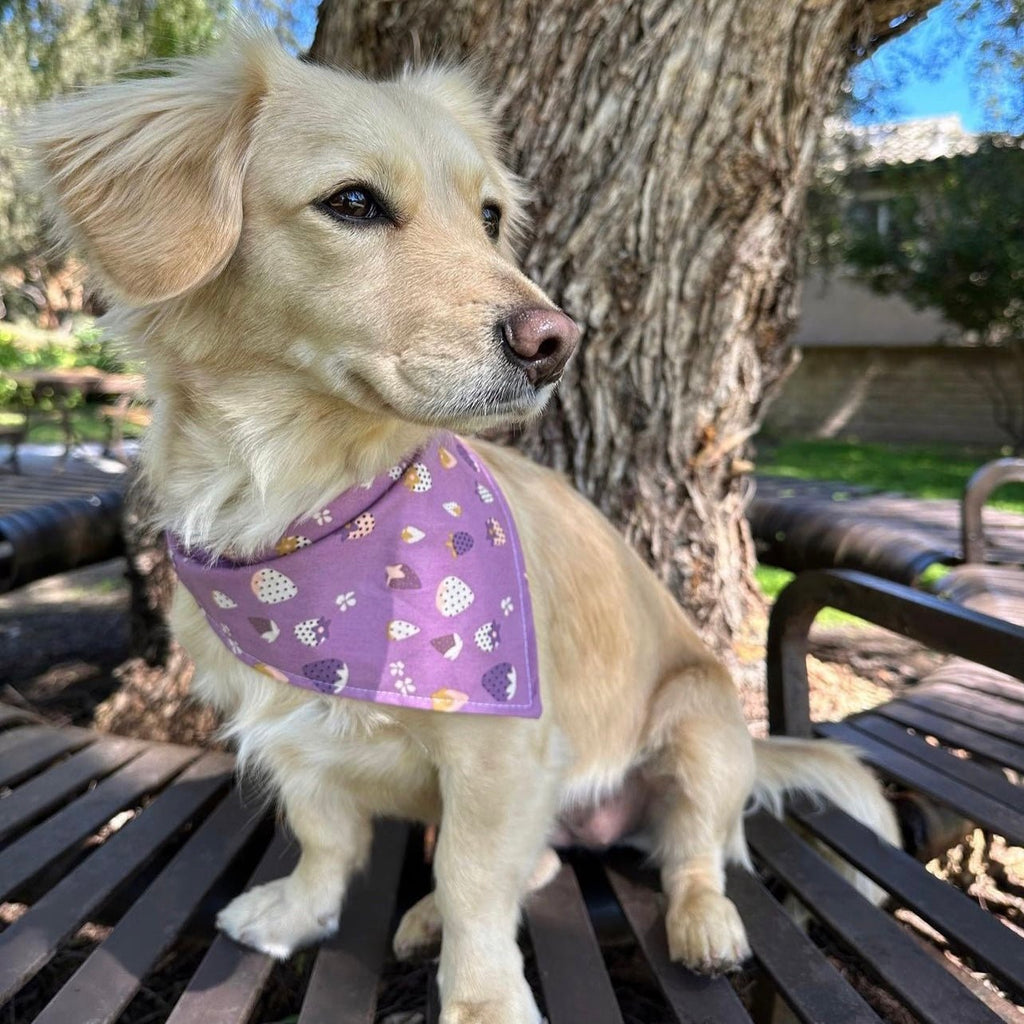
x=409 y=590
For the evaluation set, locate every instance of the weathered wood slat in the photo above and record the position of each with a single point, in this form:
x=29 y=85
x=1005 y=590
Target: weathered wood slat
x=964 y=924
x=343 y=986
x=815 y=991
x=14 y=716
x=1003 y=752
x=228 y=983
x=46 y=843
x=981 y=777
x=572 y=972
x=32 y=940
x=41 y=794
x=930 y=991
x=964 y=697
x=1003 y=728
x=973 y=679
x=969 y=802
x=25 y=750
x=693 y=999
x=101 y=988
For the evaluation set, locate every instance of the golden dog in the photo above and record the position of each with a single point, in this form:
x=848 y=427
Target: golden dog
x=319 y=273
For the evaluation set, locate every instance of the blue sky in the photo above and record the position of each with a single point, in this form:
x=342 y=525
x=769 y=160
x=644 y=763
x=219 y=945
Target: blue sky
x=926 y=72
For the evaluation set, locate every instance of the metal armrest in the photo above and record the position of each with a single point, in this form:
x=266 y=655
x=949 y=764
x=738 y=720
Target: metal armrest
x=976 y=493
x=941 y=625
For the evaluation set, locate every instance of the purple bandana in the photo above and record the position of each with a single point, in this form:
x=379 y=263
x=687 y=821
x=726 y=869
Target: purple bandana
x=409 y=590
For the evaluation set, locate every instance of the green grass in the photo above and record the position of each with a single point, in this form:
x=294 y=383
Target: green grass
x=920 y=471
x=771 y=582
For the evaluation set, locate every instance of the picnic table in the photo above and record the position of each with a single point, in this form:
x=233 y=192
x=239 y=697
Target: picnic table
x=149 y=840
x=62 y=386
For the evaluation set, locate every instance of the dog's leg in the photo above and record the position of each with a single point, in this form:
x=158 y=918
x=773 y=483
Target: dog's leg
x=282 y=916
x=707 y=761
x=497 y=814
x=419 y=931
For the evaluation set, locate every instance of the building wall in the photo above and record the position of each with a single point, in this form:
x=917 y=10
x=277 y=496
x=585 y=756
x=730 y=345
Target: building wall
x=838 y=310
x=900 y=394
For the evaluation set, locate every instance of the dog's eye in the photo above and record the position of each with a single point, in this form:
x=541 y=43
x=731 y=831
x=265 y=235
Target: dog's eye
x=354 y=202
x=491 y=215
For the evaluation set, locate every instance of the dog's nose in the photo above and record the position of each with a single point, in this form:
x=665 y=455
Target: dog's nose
x=540 y=341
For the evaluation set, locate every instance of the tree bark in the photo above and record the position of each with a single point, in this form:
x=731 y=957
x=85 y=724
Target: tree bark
x=669 y=145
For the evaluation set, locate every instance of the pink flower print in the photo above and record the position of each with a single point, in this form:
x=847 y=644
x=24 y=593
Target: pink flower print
x=405 y=686
x=507 y=607
x=346 y=601
x=397 y=668
x=323 y=517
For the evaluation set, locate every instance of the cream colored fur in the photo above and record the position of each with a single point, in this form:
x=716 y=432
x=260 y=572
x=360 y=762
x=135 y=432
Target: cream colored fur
x=290 y=357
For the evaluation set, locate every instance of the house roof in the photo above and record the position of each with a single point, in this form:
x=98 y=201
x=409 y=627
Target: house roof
x=847 y=147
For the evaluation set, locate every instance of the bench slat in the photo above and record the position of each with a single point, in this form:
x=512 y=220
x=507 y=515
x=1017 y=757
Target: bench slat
x=955 y=733
x=1005 y=710
x=101 y=988
x=46 y=843
x=981 y=777
x=24 y=751
x=943 y=787
x=343 y=986
x=930 y=991
x=15 y=716
x=812 y=987
x=31 y=941
x=572 y=972
x=40 y=795
x=1002 y=728
x=983 y=680
x=694 y=999
x=228 y=983
x=955 y=915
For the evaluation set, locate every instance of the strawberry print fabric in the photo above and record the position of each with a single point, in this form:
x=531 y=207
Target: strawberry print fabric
x=409 y=590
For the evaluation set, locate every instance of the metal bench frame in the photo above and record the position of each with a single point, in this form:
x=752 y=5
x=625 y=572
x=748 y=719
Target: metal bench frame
x=195 y=841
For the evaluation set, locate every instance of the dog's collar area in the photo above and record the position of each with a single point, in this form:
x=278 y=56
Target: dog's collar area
x=409 y=590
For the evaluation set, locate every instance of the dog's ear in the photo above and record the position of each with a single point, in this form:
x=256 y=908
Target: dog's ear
x=145 y=176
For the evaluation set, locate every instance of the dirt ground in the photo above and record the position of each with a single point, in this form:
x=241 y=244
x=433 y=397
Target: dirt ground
x=61 y=640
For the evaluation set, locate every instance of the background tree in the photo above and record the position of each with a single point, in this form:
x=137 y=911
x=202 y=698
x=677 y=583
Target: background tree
x=669 y=146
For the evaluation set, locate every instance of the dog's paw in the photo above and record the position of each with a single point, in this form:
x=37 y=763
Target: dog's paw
x=419 y=931
x=705 y=933
x=517 y=1007
x=271 y=919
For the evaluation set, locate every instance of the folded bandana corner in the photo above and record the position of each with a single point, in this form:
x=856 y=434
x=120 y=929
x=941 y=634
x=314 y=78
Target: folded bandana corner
x=409 y=590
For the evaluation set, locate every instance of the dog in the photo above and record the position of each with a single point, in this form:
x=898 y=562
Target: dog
x=319 y=271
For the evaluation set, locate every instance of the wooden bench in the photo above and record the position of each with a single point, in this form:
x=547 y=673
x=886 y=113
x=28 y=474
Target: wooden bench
x=146 y=841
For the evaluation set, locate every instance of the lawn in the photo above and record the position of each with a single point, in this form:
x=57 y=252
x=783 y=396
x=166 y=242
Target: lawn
x=921 y=471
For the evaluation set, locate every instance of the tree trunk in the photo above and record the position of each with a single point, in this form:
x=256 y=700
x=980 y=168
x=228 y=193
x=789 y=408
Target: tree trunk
x=669 y=146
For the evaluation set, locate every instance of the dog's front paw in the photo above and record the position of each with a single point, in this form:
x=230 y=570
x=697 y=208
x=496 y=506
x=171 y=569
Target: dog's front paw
x=274 y=920
x=419 y=931
x=705 y=933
